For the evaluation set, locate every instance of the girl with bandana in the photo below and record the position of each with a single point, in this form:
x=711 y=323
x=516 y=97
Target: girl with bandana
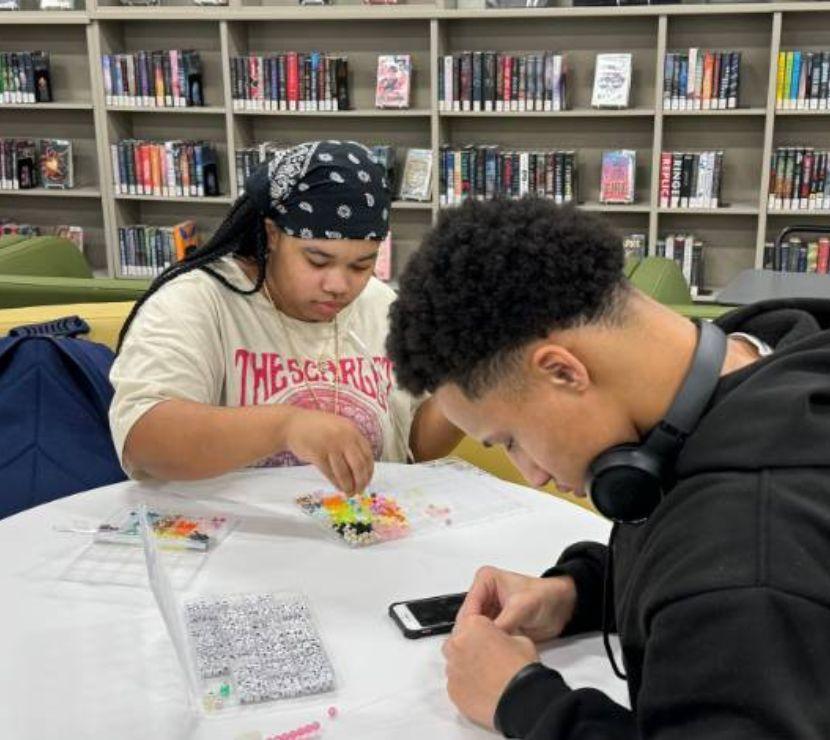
x=266 y=346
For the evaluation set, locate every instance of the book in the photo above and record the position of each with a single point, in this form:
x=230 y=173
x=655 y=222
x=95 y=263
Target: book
x=385 y=157
x=185 y=239
x=27 y=164
x=612 y=81
x=73 y=233
x=383 y=263
x=56 y=170
x=393 y=81
x=617 y=179
x=416 y=180
x=634 y=246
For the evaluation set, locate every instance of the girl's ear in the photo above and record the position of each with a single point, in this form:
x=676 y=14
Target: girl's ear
x=272 y=231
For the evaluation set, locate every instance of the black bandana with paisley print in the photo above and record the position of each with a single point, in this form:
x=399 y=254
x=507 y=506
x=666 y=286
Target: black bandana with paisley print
x=324 y=190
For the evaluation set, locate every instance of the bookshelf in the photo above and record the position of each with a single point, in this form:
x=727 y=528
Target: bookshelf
x=734 y=235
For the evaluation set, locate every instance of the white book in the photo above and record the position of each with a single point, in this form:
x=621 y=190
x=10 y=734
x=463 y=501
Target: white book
x=524 y=173
x=558 y=103
x=688 y=250
x=448 y=91
x=670 y=247
x=116 y=169
x=691 y=79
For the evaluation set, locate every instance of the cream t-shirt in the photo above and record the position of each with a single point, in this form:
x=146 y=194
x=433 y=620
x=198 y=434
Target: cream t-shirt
x=197 y=340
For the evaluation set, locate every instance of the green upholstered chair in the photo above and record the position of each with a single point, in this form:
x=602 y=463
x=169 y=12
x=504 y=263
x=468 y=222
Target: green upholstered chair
x=25 y=290
x=48 y=270
x=44 y=255
x=11 y=239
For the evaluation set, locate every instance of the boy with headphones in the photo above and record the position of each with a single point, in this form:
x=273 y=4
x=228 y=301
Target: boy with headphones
x=708 y=446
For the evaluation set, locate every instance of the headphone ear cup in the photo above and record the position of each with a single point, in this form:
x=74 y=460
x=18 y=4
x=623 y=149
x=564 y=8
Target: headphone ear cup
x=626 y=484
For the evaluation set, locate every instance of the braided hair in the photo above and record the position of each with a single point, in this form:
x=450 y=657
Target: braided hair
x=315 y=190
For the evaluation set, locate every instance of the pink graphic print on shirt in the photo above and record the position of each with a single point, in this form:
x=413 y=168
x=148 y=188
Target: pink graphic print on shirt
x=363 y=390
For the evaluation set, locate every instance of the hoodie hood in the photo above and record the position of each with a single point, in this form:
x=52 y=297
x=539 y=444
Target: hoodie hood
x=784 y=398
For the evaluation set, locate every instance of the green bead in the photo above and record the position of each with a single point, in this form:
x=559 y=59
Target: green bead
x=225 y=690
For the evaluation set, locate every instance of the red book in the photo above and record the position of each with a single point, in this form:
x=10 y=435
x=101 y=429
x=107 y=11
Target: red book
x=806 y=177
x=253 y=72
x=508 y=81
x=665 y=179
x=293 y=74
x=146 y=174
x=823 y=262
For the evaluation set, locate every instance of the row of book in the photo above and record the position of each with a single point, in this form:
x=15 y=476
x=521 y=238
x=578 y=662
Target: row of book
x=10 y=227
x=295 y=81
x=796 y=255
x=701 y=80
x=32 y=163
x=146 y=251
x=687 y=251
x=164 y=168
x=497 y=81
x=247 y=159
x=691 y=179
x=798 y=179
x=153 y=79
x=25 y=77
x=485 y=172
x=802 y=80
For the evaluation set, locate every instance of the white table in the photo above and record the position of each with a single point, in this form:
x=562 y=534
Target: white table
x=81 y=657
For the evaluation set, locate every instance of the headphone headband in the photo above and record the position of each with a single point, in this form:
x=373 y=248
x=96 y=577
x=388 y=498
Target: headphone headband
x=697 y=388
x=627 y=482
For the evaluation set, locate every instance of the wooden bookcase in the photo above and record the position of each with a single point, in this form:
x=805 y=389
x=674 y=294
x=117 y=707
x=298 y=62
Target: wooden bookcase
x=734 y=235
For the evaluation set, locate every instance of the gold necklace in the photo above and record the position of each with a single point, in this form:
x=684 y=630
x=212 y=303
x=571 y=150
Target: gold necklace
x=293 y=348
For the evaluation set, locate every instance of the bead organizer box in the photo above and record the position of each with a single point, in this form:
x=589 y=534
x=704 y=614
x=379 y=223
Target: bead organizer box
x=255 y=648
x=427 y=498
x=238 y=649
x=359 y=520
x=172 y=530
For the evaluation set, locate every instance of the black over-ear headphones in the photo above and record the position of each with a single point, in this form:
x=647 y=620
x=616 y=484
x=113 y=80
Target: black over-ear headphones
x=628 y=481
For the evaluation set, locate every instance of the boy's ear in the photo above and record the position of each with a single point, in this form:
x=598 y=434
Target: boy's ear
x=560 y=367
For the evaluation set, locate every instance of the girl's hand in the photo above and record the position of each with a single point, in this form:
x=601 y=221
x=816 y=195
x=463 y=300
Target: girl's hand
x=334 y=446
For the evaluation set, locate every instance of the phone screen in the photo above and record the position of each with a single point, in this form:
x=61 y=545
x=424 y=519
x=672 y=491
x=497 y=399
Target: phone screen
x=437 y=610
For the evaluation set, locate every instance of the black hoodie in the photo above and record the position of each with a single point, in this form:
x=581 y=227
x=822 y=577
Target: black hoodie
x=722 y=598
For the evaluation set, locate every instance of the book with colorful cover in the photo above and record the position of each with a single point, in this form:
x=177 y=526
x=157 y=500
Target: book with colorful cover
x=617 y=184
x=393 y=81
x=56 y=169
x=185 y=239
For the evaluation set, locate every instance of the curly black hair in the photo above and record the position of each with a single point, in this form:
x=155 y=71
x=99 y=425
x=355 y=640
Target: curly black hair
x=492 y=276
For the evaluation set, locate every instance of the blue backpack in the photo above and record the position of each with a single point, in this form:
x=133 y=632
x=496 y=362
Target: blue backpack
x=54 y=429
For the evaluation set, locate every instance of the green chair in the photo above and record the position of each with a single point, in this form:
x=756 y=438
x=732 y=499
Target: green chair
x=44 y=255
x=18 y=291
x=49 y=270
x=663 y=280
x=12 y=239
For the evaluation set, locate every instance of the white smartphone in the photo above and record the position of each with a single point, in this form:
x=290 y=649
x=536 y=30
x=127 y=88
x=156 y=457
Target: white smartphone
x=422 y=617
